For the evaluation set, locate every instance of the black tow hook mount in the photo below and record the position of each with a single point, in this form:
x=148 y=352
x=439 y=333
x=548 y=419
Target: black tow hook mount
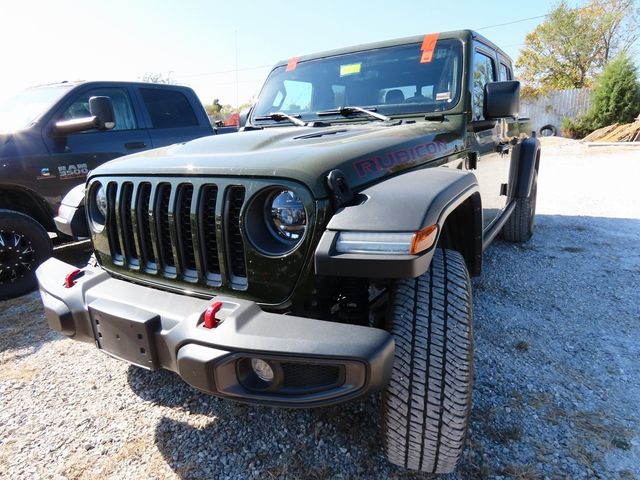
x=341 y=193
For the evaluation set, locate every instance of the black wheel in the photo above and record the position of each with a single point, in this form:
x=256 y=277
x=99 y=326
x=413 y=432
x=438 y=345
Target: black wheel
x=519 y=227
x=548 y=131
x=24 y=245
x=428 y=401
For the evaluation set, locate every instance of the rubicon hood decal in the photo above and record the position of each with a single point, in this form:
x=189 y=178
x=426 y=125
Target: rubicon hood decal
x=364 y=152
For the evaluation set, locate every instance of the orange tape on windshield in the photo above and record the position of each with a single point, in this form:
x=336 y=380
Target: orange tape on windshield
x=428 y=46
x=292 y=64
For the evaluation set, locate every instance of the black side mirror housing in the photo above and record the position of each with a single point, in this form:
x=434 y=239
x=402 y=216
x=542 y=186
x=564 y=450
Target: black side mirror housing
x=501 y=99
x=102 y=118
x=243 y=116
x=101 y=109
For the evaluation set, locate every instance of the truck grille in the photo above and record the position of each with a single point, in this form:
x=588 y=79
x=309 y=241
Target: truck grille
x=178 y=230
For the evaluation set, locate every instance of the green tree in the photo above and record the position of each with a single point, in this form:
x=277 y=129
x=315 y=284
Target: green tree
x=616 y=96
x=214 y=108
x=573 y=45
x=615 y=99
x=156 y=77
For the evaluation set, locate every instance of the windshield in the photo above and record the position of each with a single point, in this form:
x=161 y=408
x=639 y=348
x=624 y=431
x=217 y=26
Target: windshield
x=23 y=109
x=390 y=80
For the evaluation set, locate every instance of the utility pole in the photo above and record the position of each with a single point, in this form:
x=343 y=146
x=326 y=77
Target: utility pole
x=237 y=93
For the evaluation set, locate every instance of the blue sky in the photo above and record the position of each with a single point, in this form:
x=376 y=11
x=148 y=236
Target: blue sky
x=194 y=41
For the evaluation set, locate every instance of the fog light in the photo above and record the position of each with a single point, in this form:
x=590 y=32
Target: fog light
x=262 y=370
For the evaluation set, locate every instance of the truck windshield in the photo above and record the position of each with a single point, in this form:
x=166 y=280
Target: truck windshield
x=391 y=80
x=21 y=110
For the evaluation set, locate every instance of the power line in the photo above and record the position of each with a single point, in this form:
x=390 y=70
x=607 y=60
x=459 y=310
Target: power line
x=578 y=9
x=511 y=23
x=258 y=67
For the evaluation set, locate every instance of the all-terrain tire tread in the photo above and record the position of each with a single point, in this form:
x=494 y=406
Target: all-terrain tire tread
x=428 y=401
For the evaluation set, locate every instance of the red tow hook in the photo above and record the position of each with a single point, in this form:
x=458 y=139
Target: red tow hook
x=72 y=276
x=210 y=320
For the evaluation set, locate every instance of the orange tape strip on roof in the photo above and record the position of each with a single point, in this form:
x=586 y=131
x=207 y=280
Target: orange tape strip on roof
x=428 y=46
x=292 y=64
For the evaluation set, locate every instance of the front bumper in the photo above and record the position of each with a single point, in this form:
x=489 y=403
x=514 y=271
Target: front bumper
x=316 y=362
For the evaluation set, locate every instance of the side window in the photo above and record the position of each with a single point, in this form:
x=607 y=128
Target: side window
x=168 y=108
x=125 y=118
x=483 y=72
x=505 y=72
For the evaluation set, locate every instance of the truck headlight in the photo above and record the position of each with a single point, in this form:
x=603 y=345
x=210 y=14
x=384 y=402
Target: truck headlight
x=275 y=220
x=286 y=216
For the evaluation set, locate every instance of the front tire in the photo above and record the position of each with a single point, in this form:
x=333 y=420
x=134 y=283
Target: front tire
x=427 y=404
x=24 y=245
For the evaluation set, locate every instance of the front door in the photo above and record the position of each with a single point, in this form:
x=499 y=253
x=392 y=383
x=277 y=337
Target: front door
x=485 y=139
x=74 y=155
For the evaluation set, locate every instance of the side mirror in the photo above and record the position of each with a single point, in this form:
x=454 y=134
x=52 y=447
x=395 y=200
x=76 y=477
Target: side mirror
x=102 y=110
x=102 y=118
x=501 y=99
x=243 y=116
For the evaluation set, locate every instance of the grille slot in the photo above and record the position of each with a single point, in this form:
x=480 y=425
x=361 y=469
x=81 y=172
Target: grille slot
x=183 y=223
x=163 y=197
x=144 y=225
x=235 y=244
x=112 y=225
x=208 y=201
x=126 y=197
x=189 y=231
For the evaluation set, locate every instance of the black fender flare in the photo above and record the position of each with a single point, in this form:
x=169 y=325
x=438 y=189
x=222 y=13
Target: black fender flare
x=29 y=202
x=405 y=203
x=524 y=162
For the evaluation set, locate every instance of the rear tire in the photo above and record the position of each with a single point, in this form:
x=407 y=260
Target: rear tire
x=519 y=227
x=24 y=245
x=427 y=404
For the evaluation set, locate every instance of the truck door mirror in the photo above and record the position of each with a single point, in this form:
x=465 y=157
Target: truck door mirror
x=243 y=116
x=102 y=118
x=501 y=99
x=101 y=109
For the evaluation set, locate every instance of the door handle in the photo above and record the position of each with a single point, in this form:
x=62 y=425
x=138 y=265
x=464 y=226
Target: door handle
x=135 y=145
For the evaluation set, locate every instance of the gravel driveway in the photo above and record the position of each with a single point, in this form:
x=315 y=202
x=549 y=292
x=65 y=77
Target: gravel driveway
x=557 y=328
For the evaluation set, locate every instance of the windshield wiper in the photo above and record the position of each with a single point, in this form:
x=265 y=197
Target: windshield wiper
x=346 y=111
x=279 y=116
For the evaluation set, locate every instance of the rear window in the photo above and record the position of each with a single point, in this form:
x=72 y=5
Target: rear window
x=168 y=109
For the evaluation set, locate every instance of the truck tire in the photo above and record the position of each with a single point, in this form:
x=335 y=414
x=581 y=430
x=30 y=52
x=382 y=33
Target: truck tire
x=519 y=227
x=427 y=404
x=24 y=245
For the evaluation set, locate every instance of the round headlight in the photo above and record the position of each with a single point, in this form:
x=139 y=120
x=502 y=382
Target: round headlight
x=97 y=207
x=287 y=216
x=101 y=201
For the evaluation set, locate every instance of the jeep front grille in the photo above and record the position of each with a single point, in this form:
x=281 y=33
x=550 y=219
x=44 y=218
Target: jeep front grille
x=178 y=230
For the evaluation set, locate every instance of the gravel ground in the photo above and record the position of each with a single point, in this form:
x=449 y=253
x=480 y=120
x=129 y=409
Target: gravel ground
x=557 y=378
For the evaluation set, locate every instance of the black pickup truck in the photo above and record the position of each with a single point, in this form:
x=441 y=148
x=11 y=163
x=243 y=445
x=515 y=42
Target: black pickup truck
x=50 y=139
x=325 y=252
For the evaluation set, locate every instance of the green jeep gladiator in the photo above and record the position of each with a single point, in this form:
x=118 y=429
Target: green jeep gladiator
x=324 y=252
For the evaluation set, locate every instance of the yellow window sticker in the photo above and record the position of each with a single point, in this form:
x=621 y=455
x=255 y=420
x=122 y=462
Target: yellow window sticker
x=350 y=69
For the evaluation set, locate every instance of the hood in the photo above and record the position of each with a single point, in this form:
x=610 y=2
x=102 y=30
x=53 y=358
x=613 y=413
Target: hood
x=363 y=152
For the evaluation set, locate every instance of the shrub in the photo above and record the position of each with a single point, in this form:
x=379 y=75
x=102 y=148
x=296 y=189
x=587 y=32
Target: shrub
x=616 y=96
x=578 y=128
